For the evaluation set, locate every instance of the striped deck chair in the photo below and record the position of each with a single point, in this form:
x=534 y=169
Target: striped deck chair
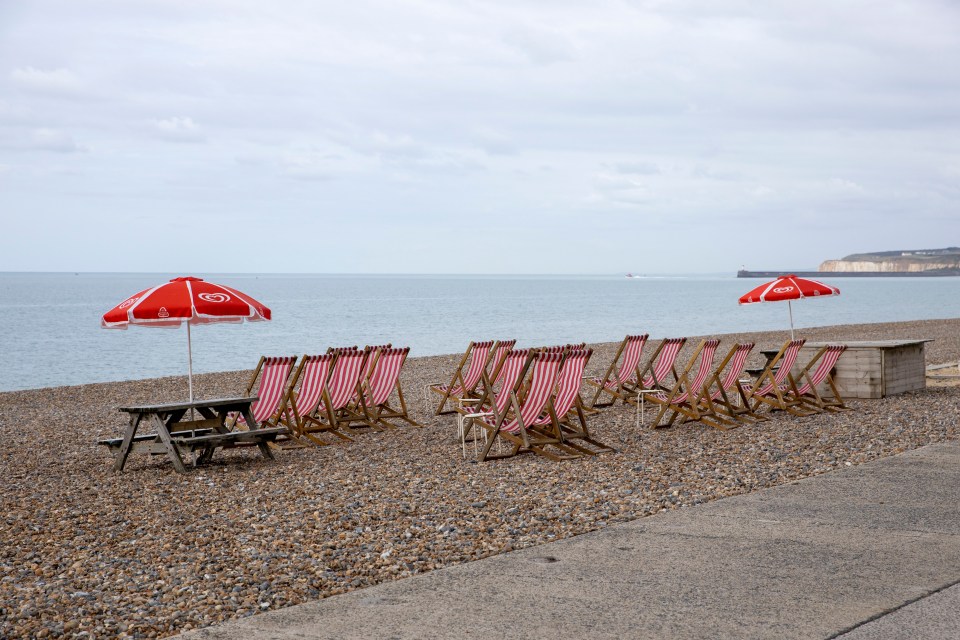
x=303 y=400
x=464 y=384
x=807 y=393
x=514 y=425
x=774 y=386
x=510 y=376
x=620 y=380
x=334 y=414
x=494 y=372
x=382 y=380
x=372 y=351
x=654 y=375
x=562 y=349
x=495 y=366
x=273 y=375
x=565 y=411
x=716 y=398
x=353 y=411
x=679 y=401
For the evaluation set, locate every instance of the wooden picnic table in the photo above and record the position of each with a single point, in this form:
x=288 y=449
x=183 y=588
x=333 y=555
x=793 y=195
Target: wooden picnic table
x=177 y=437
x=769 y=354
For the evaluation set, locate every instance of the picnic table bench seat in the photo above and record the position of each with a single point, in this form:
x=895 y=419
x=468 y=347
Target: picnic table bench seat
x=115 y=443
x=201 y=438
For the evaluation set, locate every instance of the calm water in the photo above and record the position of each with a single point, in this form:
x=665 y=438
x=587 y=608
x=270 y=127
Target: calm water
x=50 y=331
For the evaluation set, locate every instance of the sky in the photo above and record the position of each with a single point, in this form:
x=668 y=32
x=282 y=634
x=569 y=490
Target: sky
x=199 y=136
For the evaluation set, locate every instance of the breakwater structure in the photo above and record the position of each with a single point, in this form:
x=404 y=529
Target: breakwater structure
x=896 y=264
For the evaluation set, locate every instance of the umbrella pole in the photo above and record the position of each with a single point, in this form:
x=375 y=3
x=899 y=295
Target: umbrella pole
x=189 y=362
x=789 y=306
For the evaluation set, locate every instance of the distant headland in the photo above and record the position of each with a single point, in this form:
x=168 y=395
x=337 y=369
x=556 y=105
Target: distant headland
x=922 y=262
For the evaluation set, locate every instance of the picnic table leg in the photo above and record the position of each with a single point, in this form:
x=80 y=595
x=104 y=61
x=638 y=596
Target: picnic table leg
x=207 y=452
x=253 y=426
x=206 y=455
x=172 y=449
x=127 y=444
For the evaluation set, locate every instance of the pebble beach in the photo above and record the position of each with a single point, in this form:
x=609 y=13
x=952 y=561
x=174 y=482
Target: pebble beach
x=149 y=553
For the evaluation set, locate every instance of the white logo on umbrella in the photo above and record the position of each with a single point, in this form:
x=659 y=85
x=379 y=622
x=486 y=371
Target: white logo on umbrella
x=783 y=290
x=214 y=297
x=163 y=313
x=126 y=304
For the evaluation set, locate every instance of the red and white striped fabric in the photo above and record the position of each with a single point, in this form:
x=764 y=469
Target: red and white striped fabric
x=737 y=365
x=499 y=353
x=568 y=384
x=479 y=352
x=542 y=385
x=384 y=376
x=342 y=384
x=706 y=364
x=185 y=299
x=509 y=377
x=786 y=364
x=273 y=382
x=313 y=377
x=668 y=355
x=788 y=287
x=827 y=362
x=627 y=372
x=372 y=351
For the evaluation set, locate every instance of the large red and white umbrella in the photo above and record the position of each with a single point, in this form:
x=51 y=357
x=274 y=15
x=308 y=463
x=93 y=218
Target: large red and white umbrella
x=190 y=300
x=789 y=288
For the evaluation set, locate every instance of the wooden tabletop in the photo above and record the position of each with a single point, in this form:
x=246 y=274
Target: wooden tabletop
x=871 y=344
x=196 y=404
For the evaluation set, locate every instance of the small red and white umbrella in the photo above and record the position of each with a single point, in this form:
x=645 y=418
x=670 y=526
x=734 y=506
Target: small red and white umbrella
x=190 y=300
x=789 y=288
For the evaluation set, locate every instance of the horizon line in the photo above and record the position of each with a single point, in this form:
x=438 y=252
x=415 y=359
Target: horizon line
x=377 y=273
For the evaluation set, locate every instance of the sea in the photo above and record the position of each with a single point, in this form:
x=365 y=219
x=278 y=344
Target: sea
x=50 y=332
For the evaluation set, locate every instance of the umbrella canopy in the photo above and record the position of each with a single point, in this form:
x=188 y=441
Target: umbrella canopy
x=789 y=287
x=190 y=300
x=185 y=299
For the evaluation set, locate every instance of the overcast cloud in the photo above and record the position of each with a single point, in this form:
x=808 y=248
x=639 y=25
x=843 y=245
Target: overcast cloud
x=477 y=137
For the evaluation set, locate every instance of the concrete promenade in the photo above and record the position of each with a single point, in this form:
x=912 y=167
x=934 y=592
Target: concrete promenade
x=871 y=551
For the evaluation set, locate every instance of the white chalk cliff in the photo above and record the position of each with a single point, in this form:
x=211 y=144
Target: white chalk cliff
x=897 y=261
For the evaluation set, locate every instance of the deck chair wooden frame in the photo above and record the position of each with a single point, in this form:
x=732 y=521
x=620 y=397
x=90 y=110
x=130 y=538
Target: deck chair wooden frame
x=655 y=374
x=724 y=404
x=354 y=412
x=372 y=351
x=497 y=358
x=515 y=425
x=335 y=414
x=302 y=402
x=566 y=412
x=622 y=373
x=679 y=400
x=489 y=377
x=383 y=379
x=509 y=376
x=775 y=387
x=273 y=374
x=464 y=383
x=808 y=394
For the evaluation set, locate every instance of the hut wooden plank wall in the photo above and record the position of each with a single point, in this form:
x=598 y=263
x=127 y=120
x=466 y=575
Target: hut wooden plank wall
x=875 y=369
